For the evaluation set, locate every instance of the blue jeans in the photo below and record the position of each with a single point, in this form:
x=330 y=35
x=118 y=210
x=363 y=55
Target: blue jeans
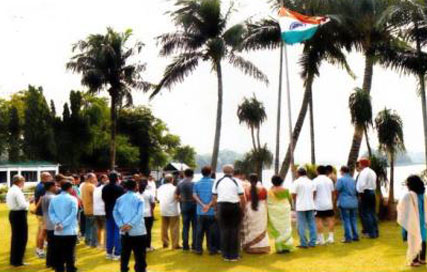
x=306 y=221
x=349 y=219
x=367 y=213
x=91 y=237
x=188 y=212
x=113 y=237
x=206 y=227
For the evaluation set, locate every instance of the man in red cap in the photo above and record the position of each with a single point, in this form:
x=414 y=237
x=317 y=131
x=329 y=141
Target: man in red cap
x=366 y=184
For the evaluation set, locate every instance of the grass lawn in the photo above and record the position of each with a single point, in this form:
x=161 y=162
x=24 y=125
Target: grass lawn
x=384 y=254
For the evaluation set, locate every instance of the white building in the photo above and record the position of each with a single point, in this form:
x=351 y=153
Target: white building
x=30 y=170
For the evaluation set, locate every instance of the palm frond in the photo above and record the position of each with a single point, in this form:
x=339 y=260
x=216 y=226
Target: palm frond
x=248 y=68
x=182 y=66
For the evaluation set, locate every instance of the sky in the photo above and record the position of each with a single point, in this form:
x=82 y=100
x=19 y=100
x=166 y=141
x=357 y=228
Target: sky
x=37 y=36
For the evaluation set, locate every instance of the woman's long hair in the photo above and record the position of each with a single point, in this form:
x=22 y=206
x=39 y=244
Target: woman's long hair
x=253 y=179
x=415 y=184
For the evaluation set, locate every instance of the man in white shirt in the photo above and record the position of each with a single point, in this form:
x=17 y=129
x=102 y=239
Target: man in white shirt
x=303 y=193
x=324 y=205
x=229 y=197
x=18 y=207
x=169 y=210
x=99 y=210
x=366 y=184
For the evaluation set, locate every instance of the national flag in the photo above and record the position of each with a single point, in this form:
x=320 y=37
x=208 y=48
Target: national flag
x=296 y=28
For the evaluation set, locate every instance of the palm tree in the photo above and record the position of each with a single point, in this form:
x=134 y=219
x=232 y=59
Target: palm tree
x=361 y=112
x=370 y=27
x=326 y=45
x=202 y=35
x=390 y=137
x=252 y=112
x=104 y=62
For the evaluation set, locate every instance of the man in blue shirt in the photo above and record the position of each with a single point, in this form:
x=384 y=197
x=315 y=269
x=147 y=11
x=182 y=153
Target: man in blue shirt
x=129 y=216
x=206 y=224
x=63 y=215
x=348 y=203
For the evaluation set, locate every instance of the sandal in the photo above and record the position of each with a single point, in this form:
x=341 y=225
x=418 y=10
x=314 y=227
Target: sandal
x=415 y=264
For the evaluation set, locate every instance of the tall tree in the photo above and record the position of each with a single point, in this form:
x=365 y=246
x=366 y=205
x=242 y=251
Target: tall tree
x=390 y=137
x=252 y=112
x=4 y=123
x=202 y=35
x=370 y=27
x=185 y=154
x=326 y=45
x=104 y=60
x=39 y=141
x=361 y=112
x=15 y=141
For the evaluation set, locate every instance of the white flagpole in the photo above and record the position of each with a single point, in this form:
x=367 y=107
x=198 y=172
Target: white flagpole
x=288 y=90
x=279 y=113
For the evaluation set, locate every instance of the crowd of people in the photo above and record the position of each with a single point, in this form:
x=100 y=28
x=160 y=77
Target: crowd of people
x=232 y=213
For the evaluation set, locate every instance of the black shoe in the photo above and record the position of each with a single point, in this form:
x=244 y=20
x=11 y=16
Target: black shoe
x=303 y=247
x=356 y=240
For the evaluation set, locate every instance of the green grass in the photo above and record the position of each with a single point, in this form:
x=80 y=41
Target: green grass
x=384 y=254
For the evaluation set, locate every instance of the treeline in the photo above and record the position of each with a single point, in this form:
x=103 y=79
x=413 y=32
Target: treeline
x=32 y=129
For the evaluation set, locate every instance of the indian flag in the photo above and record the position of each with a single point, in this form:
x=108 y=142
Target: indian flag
x=296 y=28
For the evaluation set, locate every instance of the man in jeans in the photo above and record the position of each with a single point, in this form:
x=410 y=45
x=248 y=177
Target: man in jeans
x=110 y=193
x=303 y=193
x=366 y=184
x=202 y=193
x=184 y=194
x=87 y=198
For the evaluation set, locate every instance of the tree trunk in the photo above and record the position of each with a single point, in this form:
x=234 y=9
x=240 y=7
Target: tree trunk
x=253 y=138
x=312 y=139
x=113 y=113
x=279 y=110
x=218 y=118
x=391 y=208
x=258 y=138
x=367 y=141
x=355 y=147
x=298 y=126
x=421 y=79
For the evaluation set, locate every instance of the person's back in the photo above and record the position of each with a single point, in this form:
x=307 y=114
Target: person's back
x=87 y=198
x=324 y=188
x=61 y=208
x=98 y=202
x=303 y=188
x=185 y=190
x=347 y=194
x=166 y=196
x=110 y=193
x=203 y=190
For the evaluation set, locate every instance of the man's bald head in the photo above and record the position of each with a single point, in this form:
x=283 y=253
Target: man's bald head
x=46 y=176
x=228 y=169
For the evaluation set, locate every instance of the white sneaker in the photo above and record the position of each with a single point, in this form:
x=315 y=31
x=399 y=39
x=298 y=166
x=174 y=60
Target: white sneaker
x=109 y=256
x=40 y=253
x=320 y=242
x=330 y=240
x=116 y=258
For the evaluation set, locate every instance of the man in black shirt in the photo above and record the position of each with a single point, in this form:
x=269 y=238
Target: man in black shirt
x=110 y=193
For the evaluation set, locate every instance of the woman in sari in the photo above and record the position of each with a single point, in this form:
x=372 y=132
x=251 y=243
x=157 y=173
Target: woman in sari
x=411 y=216
x=279 y=215
x=255 y=238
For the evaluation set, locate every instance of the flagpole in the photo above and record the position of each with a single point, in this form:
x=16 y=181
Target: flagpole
x=279 y=107
x=288 y=90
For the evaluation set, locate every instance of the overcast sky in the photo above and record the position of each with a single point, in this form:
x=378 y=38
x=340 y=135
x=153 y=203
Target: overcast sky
x=36 y=43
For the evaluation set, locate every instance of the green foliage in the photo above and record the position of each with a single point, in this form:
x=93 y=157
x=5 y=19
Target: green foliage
x=39 y=141
x=202 y=35
x=252 y=112
x=185 y=154
x=4 y=122
x=360 y=108
x=15 y=141
x=255 y=160
x=390 y=132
